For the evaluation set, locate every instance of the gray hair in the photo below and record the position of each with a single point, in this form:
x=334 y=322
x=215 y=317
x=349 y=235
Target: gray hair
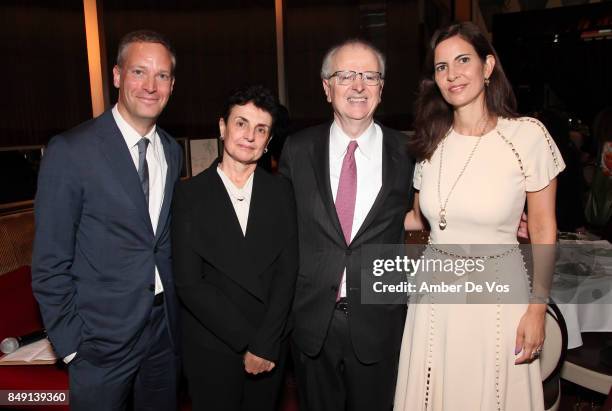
x=144 y=36
x=327 y=66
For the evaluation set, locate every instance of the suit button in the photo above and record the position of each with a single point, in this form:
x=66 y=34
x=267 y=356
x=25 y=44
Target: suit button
x=334 y=288
x=151 y=287
x=155 y=249
x=348 y=252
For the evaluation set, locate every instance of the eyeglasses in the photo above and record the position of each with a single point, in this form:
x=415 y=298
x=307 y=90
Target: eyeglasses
x=346 y=77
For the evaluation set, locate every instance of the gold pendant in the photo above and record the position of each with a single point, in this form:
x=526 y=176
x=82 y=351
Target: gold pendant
x=442 y=223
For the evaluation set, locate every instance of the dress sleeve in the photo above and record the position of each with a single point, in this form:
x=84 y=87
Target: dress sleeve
x=543 y=161
x=416 y=179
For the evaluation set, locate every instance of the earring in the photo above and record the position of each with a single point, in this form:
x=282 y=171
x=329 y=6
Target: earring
x=265 y=150
x=487 y=81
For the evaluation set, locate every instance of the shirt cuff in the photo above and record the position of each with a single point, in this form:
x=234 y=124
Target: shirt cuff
x=69 y=357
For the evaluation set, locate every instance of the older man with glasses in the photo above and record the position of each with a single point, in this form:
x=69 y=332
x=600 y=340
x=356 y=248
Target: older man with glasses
x=352 y=183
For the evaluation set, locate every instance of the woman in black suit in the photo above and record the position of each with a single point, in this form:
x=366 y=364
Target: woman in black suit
x=235 y=262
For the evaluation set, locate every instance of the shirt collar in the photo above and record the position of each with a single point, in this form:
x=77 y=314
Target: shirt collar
x=246 y=190
x=131 y=136
x=339 y=141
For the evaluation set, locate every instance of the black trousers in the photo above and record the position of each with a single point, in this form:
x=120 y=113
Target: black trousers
x=222 y=384
x=335 y=380
x=147 y=377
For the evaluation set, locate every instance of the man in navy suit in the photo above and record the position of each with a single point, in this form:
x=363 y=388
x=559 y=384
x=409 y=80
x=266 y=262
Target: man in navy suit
x=101 y=266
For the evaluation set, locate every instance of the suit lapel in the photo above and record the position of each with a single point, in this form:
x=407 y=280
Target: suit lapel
x=226 y=205
x=169 y=185
x=260 y=247
x=389 y=172
x=320 y=162
x=256 y=210
x=116 y=153
x=218 y=207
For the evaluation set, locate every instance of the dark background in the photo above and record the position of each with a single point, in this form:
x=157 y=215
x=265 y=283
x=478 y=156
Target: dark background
x=222 y=44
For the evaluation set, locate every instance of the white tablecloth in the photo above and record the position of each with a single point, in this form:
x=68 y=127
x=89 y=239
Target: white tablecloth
x=585 y=298
x=585 y=318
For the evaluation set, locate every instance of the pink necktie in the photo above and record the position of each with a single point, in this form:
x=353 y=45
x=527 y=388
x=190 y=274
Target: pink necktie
x=345 y=198
x=347 y=192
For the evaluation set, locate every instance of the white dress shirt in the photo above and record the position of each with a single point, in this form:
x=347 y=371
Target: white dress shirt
x=368 y=159
x=157 y=171
x=240 y=197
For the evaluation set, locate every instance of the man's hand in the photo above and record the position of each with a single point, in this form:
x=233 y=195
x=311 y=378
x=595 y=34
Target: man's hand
x=255 y=365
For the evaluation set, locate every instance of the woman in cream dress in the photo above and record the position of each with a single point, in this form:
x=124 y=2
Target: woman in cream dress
x=479 y=164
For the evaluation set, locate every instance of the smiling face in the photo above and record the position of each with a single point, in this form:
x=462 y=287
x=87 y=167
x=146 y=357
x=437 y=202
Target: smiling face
x=460 y=73
x=355 y=102
x=145 y=82
x=246 y=133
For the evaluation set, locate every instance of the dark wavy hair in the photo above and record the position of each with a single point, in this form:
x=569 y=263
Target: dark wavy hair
x=433 y=115
x=257 y=94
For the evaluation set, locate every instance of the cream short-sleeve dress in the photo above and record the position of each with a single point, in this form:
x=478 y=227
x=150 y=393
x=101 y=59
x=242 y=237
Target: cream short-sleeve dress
x=461 y=356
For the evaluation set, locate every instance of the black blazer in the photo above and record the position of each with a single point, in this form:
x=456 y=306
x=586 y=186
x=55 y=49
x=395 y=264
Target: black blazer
x=376 y=330
x=94 y=257
x=235 y=290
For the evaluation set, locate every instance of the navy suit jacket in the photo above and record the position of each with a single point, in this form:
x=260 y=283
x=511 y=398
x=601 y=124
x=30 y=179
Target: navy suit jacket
x=95 y=251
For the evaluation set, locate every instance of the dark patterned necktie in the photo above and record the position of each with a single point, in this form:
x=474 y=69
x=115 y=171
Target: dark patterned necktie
x=143 y=166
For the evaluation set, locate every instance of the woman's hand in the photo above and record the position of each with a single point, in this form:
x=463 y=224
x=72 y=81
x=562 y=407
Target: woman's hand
x=530 y=333
x=255 y=365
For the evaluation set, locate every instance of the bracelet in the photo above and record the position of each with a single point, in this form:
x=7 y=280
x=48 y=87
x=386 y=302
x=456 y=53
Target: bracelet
x=536 y=299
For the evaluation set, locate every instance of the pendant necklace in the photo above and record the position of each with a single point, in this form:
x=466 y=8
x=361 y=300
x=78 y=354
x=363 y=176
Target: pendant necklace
x=442 y=222
x=238 y=194
x=235 y=192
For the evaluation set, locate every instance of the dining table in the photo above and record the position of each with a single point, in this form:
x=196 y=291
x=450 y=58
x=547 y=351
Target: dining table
x=582 y=287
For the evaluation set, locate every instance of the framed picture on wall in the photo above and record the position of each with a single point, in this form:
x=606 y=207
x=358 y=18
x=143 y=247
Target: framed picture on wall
x=203 y=153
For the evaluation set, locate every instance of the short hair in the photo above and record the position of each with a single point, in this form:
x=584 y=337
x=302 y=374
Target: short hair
x=260 y=96
x=326 y=66
x=144 y=36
